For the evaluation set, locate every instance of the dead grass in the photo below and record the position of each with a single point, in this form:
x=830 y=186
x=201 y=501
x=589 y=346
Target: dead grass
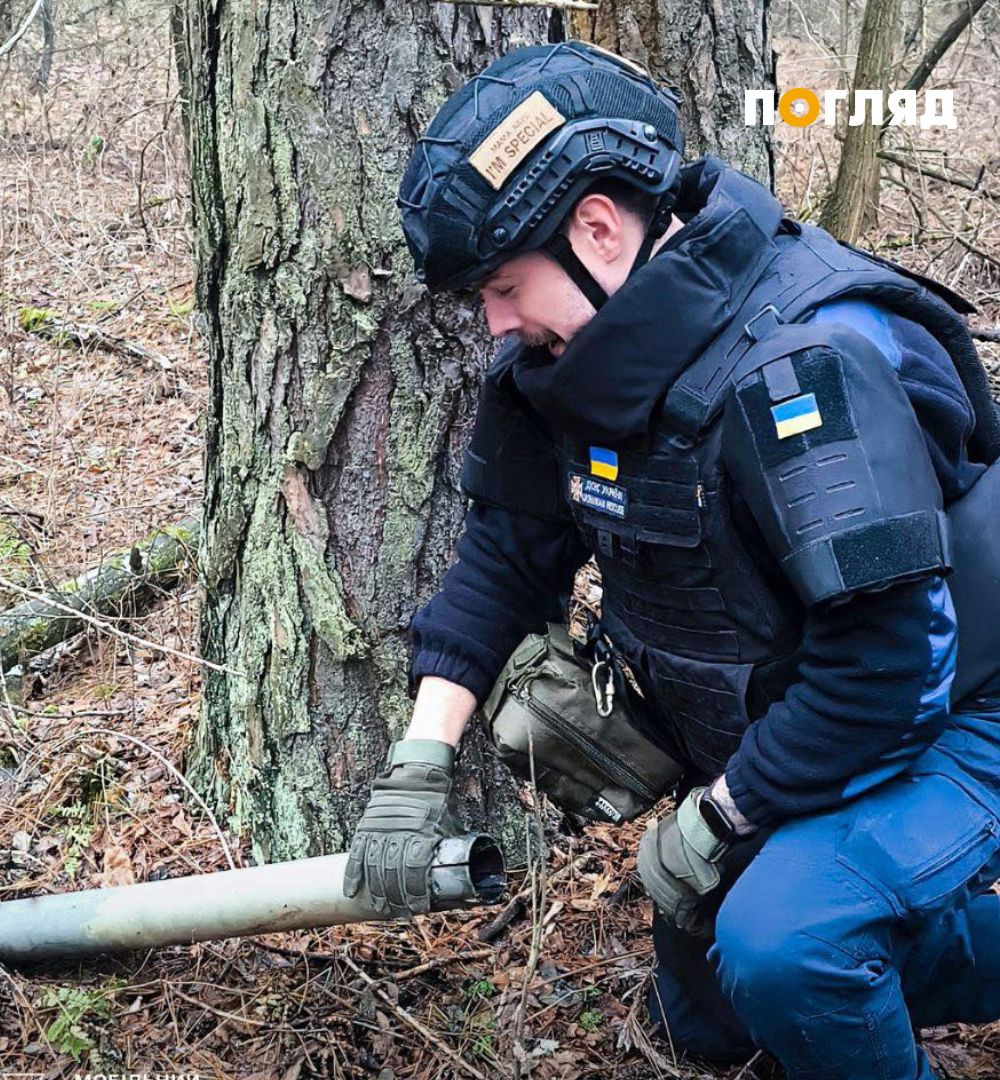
x=97 y=450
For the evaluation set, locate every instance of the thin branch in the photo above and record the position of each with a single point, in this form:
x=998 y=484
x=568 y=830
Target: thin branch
x=986 y=334
x=442 y=961
x=954 y=235
x=422 y=1030
x=22 y=30
x=240 y=1019
x=937 y=174
x=537 y=875
x=164 y=761
x=948 y=38
x=68 y=715
x=514 y=908
x=92 y=336
x=743 y=1072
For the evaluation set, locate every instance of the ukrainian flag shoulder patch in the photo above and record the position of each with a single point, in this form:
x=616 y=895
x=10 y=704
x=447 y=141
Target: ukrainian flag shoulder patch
x=796 y=415
x=603 y=463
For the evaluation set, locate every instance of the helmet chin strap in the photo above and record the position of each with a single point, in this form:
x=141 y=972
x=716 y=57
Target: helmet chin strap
x=657 y=227
x=559 y=247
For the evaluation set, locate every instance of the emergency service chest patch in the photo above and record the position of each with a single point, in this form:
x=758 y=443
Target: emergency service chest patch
x=598 y=495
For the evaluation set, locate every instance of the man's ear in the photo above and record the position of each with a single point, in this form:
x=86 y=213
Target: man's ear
x=598 y=224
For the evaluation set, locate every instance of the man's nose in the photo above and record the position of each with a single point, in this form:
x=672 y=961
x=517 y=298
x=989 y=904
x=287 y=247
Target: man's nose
x=500 y=316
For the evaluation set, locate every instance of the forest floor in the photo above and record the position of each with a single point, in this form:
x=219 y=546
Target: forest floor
x=99 y=449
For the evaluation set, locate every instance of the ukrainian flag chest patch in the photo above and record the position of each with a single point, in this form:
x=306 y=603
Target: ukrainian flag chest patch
x=596 y=491
x=603 y=463
x=796 y=415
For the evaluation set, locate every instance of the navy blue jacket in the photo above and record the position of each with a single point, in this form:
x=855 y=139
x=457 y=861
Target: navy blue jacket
x=875 y=672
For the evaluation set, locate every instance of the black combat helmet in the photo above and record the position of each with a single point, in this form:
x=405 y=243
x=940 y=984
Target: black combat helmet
x=508 y=155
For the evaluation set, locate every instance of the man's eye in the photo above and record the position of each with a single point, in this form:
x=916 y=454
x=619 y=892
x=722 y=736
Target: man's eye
x=505 y=291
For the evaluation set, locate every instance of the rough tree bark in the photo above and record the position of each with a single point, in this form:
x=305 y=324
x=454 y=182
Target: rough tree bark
x=340 y=399
x=711 y=52
x=853 y=202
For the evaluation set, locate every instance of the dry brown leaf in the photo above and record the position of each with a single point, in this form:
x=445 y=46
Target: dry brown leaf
x=603 y=883
x=118 y=869
x=584 y=905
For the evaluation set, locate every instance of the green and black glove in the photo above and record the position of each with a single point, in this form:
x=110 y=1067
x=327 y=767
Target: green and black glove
x=682 y=859
x=408 y=815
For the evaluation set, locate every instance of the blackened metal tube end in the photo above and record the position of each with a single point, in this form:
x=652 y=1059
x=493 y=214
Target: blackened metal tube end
x=470 y=868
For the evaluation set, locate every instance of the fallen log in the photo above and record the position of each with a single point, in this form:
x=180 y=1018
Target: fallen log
x=48 y=324
x=123 y=583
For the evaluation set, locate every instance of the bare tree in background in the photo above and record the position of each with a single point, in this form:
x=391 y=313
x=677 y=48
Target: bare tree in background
x=854 y=200
x=44 y=69
x=340 y=400
x=944 y=41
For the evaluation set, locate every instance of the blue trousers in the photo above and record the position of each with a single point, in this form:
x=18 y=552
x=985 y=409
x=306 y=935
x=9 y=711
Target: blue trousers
x=852 y=927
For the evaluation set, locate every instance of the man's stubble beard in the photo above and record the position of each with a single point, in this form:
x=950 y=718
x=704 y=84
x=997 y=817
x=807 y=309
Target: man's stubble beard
x=581 y=314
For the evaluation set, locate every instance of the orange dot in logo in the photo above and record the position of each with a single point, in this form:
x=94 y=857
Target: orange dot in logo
x=791 y=97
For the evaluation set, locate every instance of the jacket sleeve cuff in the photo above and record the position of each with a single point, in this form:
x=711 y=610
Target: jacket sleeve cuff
x=748 y=801
x=450 y=663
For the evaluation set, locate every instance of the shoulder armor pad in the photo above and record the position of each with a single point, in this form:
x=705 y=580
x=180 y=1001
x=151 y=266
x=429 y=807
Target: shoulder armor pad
x=960 y=303
x=824 y=446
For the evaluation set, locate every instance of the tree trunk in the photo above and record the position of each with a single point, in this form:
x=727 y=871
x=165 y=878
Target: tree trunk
x=182 y=60
x=943 y=43
x=340 y=401
x=854 y=199
x=711 y=52
x=44 y=68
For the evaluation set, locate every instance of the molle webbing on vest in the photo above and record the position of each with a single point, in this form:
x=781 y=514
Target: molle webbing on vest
x=709 y=570
x=510 y=461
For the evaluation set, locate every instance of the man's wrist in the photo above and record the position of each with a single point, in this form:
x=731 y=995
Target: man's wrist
x=721 y=797
x=441 y=711
x=715 y=817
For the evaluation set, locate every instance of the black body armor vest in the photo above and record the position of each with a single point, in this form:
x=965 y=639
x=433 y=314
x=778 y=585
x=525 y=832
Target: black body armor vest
x=696 y=599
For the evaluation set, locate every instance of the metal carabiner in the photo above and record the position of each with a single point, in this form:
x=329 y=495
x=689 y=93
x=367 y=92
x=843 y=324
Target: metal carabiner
x=603 y=699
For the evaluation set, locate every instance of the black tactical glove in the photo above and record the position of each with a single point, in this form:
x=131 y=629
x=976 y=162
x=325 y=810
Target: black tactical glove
x=407 y=816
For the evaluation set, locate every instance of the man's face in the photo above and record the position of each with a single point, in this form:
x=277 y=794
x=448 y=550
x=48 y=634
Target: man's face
x=531 y=296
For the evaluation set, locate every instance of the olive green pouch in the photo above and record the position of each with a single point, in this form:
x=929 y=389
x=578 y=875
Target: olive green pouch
x=575 y=718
